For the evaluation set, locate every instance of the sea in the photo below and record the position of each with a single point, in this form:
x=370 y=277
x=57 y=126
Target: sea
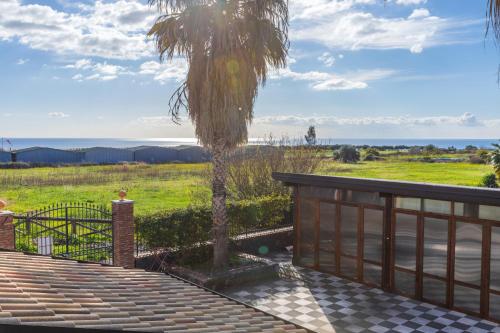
x=73 y=143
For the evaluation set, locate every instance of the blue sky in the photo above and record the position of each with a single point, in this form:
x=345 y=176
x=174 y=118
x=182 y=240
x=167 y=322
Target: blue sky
x=357 y=69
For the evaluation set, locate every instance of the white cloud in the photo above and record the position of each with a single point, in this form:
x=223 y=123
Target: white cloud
x=81 y=64
x=465 y=120
x=322 y=81
x=57 y=115
x=117 y=29
x=410 y=2
x=22 y=61
x=104 y=29
x=345 y=25
x=327 y=59
x=101 y=71
x=419 y=13
x=175 y=69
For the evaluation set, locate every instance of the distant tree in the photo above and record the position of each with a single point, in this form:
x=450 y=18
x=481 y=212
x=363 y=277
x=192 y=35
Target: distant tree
x=431 y=149
x=415 y=150
x=452 y=149
x=311 y=136
x=346 y=154
x=470 y=148
x=371 y=154
x=490 y=180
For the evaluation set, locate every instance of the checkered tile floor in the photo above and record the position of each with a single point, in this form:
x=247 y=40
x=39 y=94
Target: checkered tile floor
x=325 y=303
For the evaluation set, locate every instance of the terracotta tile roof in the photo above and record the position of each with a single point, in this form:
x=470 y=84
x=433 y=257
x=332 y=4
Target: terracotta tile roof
x=36 y=290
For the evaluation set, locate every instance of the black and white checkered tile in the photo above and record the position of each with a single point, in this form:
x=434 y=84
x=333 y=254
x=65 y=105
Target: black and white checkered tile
x=325 y=303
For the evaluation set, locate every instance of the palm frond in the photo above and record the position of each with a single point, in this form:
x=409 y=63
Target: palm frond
x=493 y=15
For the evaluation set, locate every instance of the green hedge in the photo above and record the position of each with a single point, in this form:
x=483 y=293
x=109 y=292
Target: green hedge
x=184 y=228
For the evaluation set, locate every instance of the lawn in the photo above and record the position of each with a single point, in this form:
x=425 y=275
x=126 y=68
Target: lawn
x=152 y=187
x=395 y=169
x=159 y=187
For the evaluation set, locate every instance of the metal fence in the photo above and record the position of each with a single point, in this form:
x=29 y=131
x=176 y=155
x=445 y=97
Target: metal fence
x=80 y=231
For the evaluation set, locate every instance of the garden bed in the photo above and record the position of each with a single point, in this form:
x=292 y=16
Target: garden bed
x=243 y=268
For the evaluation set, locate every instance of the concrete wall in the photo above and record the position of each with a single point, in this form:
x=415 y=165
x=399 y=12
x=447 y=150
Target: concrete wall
x=155 y=155
x=5 y=157
x=49 y=156
x=193 y=154
x=100 y=155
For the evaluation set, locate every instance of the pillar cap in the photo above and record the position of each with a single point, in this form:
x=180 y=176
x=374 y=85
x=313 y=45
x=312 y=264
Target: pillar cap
x=6 y=213
x=3 y=204
x=122 y=202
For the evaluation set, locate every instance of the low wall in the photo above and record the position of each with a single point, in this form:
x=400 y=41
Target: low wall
x=264 y=242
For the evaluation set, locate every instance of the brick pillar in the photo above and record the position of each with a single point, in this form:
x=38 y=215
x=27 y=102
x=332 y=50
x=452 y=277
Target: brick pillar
x=7 y=241
x=123 y=233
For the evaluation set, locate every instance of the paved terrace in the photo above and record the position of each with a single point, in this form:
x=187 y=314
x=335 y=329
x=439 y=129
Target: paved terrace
x=325 y=304
x=36 y=290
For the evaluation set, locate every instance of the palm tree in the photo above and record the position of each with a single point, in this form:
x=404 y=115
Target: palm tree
x=230 y=46
x=495 y=159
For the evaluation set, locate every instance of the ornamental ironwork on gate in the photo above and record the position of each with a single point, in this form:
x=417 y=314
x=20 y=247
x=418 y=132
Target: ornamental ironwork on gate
x=80 y=231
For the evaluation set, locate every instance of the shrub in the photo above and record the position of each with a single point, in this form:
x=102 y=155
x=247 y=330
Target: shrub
x=346 y=154
x=184 y=229
x=490 y=180
x=15 y=165
x=474 y=159
x=371 y=154
x=250 y=170
x=484 y=155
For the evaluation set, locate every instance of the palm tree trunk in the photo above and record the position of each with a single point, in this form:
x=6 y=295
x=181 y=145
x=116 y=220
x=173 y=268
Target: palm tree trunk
x=219 y=210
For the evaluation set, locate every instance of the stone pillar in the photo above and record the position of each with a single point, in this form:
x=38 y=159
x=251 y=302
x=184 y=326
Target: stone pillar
x=7 y=241
x=123 y=232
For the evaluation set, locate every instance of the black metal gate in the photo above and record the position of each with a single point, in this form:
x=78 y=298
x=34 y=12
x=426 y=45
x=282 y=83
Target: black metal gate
x=79 y=231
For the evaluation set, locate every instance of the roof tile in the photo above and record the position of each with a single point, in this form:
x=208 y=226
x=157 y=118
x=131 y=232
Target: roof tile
x=39 y=290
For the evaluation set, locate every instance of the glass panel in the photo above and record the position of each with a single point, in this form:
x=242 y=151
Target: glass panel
x=489 y=213
x=372 y=274
x=437 y=206
x=405 y=282
x=495 y=306
x=495 y=259
x=317 y=192
x=349 y=230
x=362 y=197
x=466 y=209
x=435 y=246
x=468 y=253
x=466 y=298
x=434 y=290
x=307 y=234
x=349 y=267
x=406 y=241
x=328 y=213
x=374 y=220
x=408 y=203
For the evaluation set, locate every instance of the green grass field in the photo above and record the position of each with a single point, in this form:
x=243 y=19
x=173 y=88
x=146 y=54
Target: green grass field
x=440 y=173
x=161 y=187
x=152 y=187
